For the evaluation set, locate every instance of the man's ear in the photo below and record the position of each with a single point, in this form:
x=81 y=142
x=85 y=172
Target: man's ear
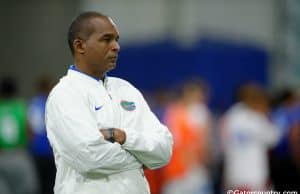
x=79 y=46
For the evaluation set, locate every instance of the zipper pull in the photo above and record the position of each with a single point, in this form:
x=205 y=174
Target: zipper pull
x=109 y=96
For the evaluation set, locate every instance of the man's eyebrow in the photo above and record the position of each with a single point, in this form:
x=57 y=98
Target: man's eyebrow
x=109 y=35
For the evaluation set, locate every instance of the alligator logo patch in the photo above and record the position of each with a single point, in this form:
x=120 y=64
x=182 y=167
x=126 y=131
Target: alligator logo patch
x=126 y=105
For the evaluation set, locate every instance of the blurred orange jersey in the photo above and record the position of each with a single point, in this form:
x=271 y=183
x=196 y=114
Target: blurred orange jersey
x=188 y=141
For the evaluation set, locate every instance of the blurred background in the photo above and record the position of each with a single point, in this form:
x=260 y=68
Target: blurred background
x=194 y=60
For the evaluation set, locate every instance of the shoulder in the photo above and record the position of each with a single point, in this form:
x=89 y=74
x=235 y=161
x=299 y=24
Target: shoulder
x=119 y=82
x=122 y=84
x=236 y=114
x=63 y=91
x=58 y=88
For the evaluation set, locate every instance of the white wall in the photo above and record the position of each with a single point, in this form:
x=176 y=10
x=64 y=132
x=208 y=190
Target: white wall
x=34 y=32
x=142 y=20
x=137 y=20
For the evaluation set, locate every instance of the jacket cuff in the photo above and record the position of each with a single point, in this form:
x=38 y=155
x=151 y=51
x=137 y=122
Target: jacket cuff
x=130 y=141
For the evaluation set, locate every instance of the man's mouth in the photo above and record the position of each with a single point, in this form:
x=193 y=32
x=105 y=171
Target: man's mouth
x=113 y=59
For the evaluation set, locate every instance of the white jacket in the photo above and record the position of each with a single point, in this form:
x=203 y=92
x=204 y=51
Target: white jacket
x=77 y=108
x=247 y=137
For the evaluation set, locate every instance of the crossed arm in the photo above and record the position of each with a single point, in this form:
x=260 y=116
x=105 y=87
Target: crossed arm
x=72 y=133
x=118 y=135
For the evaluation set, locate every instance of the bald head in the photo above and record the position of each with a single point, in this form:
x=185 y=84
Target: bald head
x=82 y=28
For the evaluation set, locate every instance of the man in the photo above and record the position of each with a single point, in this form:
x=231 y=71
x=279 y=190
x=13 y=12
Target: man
x=101 y=129
x=189 y=120
x=247 y=135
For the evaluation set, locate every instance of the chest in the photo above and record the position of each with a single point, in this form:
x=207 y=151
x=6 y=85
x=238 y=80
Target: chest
x=114 y=107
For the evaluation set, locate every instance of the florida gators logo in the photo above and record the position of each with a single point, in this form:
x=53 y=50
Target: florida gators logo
x=126 y=105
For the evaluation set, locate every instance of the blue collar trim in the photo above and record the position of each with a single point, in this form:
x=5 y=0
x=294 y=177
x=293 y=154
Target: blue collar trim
x=74 y=68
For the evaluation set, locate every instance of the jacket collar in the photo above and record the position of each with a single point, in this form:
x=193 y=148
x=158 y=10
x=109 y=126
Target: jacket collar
x=74 y=71
x=74 y=68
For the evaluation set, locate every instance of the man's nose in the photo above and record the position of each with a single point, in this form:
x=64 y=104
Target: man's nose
x=116 y=46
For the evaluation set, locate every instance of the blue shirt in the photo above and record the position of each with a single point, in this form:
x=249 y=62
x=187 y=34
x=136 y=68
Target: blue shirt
x=39 y=144
x=284 y=118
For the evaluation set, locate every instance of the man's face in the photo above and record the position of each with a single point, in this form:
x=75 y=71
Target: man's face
x=102 y=47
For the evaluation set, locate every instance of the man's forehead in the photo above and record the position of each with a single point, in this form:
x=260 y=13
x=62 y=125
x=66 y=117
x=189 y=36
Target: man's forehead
x=103 y=25
x=103 y=22
x=111 y=20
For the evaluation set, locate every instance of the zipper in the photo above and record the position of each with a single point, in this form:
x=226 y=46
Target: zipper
x=114 y=101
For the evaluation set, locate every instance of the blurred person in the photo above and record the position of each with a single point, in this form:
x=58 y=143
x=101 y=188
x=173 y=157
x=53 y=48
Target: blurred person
x=247 y=134
x=189 y=120
x=38 y=143
x=161 y=99
x=295 y=153
x=17 y=173
x=283 y=168
x=100 y=128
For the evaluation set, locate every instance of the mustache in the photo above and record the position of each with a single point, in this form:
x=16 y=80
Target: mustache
x=113 y=57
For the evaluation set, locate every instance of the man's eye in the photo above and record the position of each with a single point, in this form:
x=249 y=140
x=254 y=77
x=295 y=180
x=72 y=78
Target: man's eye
x=107 y=39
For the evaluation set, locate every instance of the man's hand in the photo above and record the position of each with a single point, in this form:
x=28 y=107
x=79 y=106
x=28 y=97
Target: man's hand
x=118 y=134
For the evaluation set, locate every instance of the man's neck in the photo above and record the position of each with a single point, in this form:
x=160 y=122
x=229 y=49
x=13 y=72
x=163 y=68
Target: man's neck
x=88 y=71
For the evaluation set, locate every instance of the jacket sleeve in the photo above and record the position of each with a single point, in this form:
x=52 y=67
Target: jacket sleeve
x=150 y=141
x=73 y=133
